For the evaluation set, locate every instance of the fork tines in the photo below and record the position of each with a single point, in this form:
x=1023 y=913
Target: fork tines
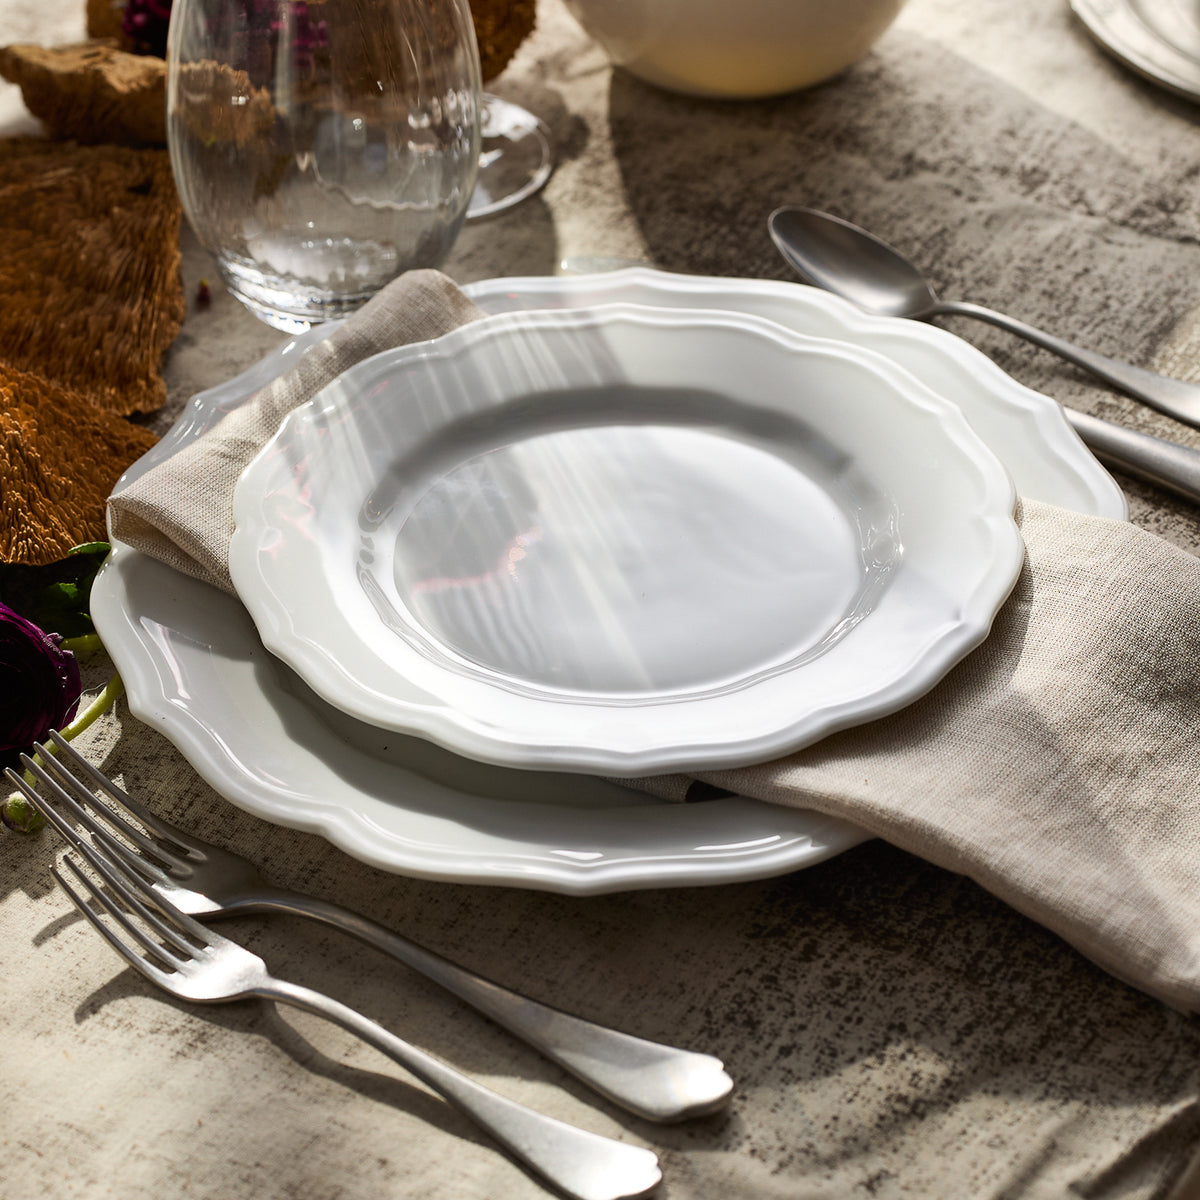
x=101 y=820
x=154 y=951
x=131 y=886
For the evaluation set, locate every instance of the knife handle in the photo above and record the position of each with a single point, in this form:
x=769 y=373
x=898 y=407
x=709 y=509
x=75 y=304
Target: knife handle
x=1169 y=466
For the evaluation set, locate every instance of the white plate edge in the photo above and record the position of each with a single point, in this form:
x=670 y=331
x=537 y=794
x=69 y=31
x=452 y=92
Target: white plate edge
x=476 y=740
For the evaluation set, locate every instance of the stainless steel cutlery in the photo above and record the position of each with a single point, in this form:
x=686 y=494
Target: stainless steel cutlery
x=842 y=258
x=158 y=878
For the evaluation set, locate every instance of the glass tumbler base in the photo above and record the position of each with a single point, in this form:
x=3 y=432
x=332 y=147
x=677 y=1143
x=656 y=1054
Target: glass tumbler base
x=287 y=306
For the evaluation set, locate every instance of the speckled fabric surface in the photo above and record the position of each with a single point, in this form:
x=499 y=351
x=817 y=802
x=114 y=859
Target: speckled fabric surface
x=893 y=1029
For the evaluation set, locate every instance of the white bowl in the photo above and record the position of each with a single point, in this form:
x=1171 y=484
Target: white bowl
x=734 y=49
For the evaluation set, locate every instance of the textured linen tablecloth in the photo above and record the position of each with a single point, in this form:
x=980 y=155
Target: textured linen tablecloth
x=893 y=1029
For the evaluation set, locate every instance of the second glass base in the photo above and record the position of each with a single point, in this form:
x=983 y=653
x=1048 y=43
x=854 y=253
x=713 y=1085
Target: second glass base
x=515 y=157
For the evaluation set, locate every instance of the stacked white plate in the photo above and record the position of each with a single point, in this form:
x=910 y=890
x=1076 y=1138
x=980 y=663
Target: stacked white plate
x=633 y=523
x=1160 y=39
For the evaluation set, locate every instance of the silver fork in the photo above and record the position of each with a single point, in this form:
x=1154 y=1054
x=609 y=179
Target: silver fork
x=188 y=960
x=654 y=1081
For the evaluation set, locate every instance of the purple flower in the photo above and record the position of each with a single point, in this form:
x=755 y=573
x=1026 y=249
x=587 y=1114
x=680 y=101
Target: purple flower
x=39 y=685
x=144 y=23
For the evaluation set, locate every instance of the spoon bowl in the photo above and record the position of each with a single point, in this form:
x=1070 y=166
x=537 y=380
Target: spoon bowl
x=842 y=258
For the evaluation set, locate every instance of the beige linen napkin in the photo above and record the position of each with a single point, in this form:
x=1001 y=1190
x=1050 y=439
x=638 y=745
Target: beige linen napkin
x=181 y=512
x=1057 y=765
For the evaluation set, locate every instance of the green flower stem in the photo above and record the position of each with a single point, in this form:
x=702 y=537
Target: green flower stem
x=85 y=643
x=16 y=805
x=113 y=689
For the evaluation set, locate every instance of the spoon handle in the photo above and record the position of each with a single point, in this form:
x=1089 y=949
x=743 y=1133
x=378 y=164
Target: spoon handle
x=1171 y=396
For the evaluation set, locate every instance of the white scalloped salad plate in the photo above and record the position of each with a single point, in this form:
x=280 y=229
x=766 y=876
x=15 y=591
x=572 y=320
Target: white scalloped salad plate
x=623 y=540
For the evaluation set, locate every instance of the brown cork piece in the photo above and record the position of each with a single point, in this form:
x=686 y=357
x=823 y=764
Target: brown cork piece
x=500 y=28
x=90 y=275
x=241 y=116
x=59 y=459
x=98 y=91
x=104 y=20
x=91 y=92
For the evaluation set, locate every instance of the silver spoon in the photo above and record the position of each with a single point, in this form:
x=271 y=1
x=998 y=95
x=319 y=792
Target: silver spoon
x=850 y=262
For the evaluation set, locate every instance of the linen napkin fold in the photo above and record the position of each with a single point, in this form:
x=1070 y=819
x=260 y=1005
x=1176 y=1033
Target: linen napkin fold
x=1058 y=765
x=181 y=512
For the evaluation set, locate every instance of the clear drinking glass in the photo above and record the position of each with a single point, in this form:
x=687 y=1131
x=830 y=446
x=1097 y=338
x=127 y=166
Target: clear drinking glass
x=322 y=147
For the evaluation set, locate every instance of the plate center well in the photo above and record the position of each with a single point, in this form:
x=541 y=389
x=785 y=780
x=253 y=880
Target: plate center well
x=633 y=560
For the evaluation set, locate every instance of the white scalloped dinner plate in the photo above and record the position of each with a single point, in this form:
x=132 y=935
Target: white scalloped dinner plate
x=195 y=669
x=1026 y=430
x=623 y=540
x=1159 y=39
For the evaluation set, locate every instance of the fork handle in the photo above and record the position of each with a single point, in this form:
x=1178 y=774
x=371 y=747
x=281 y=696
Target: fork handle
x=583 y=1165
x=656 y=1082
